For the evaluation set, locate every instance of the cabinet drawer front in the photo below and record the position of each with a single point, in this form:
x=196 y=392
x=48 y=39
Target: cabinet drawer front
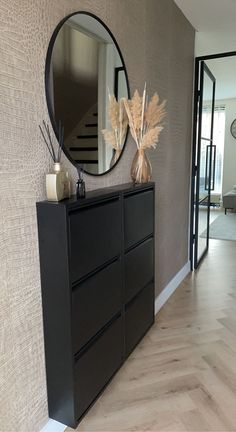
x=97 y=365
x=138 y=268
x=138 y=216
x=94 y=302
x=139 y=316
x=95 y=237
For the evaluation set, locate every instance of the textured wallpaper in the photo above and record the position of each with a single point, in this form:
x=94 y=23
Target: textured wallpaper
x=157 y=44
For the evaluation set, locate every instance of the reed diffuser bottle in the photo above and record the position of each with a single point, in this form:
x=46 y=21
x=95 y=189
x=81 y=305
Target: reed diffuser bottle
x=80 y=191
x=57 y=181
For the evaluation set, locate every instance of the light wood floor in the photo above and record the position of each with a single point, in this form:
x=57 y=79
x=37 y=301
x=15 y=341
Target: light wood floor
x=182 y=376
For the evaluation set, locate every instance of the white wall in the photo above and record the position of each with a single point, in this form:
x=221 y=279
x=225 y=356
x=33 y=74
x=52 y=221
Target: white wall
x=229 y=169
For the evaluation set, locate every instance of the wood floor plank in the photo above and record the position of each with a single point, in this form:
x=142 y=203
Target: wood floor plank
x=210 y=410
x=194 y=421
x=182 y=376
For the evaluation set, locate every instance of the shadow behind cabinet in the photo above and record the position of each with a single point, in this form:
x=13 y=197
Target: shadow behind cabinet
x=97 y=276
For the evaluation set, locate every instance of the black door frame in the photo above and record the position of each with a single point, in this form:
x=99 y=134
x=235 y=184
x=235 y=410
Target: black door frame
x=194 y=142
x=202 y=70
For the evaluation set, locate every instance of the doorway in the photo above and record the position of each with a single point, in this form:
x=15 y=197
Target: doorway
x=215 y=89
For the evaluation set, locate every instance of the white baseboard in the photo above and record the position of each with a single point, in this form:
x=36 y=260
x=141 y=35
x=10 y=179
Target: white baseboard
x=53 y=426
x=171 y=287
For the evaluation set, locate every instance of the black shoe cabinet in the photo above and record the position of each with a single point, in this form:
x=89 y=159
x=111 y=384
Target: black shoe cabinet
x=97 y=278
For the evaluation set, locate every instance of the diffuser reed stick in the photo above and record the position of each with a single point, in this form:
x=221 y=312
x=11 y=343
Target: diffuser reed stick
x=45 y=132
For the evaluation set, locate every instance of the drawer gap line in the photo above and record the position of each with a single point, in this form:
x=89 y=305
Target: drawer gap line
x=150 y=236
x=130 y=301
x=94 y=272
x=86 y=347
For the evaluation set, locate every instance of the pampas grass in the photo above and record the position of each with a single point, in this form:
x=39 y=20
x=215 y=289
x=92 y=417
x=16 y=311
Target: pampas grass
x=145 y=118
x=115 y=137
x=145 y=127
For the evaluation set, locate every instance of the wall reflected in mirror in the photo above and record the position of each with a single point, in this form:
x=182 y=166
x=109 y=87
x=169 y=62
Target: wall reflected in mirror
x=85 y=66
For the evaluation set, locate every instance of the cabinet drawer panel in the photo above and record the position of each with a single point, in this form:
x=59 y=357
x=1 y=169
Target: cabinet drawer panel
x=138 y=217
x=138 y=268
x=139 y=316
x=95 y=237
x=97 y=365
x=94 y=302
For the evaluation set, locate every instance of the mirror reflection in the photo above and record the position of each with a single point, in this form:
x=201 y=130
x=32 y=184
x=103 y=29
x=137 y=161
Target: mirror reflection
x=86 y=67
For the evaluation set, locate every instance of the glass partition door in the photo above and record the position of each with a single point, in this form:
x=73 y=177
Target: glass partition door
x=203 y=169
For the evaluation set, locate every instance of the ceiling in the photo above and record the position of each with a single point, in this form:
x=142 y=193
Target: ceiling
x=224 y=70
x=214 y=21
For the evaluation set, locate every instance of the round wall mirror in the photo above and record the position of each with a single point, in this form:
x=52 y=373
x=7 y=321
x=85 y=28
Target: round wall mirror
x=84 y=66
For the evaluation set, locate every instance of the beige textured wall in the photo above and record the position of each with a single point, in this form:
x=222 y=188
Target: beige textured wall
x=169 y=57
x=157 y=44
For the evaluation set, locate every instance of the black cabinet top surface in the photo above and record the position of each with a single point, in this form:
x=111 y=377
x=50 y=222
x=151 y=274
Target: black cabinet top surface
x=98 y=194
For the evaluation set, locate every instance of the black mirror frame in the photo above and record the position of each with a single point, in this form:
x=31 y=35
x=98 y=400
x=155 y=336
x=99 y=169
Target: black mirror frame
x=47 y=74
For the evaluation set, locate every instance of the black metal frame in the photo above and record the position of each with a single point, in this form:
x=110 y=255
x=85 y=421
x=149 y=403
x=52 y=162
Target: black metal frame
x=213 y=148
x=202 y=68
x=193 y=236
x=116 y=82
x=47 y=76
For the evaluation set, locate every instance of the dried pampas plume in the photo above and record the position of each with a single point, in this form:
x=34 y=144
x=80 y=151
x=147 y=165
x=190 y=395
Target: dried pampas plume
x=110 y=137
x=118 y=119
x=136 y=110
x=113 y=112
x=145 y=118
x=150 y=138
x=154 y=113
